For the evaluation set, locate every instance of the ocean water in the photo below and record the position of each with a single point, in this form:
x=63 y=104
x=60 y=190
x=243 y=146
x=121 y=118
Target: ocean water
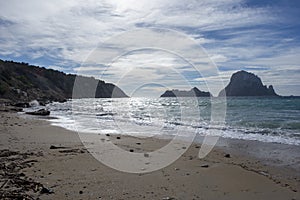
x=249 y=118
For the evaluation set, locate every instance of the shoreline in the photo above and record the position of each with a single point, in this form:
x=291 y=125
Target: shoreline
x=73 y=173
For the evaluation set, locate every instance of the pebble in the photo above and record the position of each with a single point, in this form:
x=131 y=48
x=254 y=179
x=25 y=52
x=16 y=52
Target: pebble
x=205 y=166
x=168 y=198
x=227 y=155
x=46 y=191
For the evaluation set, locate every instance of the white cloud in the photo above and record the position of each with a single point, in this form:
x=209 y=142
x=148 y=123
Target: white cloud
x=67 y=31
x=218 y=58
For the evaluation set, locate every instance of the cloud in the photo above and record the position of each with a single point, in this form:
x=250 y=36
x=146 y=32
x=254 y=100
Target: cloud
x=235 y=34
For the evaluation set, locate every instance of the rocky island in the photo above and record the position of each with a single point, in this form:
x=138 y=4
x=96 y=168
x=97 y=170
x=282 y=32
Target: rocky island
x=243 y=83
x=194 y=92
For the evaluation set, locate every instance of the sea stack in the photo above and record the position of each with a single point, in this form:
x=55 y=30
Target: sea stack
x=243 y=83
x=194 y=92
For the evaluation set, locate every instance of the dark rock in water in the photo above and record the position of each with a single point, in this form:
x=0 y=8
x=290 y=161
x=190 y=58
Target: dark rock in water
x=243 y=83
x=104 y=114
x=194 y=92
x=41 y=112
x=62 y=100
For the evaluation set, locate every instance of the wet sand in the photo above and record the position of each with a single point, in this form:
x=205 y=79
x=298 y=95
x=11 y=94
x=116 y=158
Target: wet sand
x=53 y=158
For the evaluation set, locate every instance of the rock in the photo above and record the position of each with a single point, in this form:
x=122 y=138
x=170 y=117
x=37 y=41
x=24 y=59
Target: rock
x=41 y=112
x=118 y=137
x=42 y=103
x=46 y=191
x=204 y=166
x=21 y=105
x=62 y=100
x=264 y=173
x=243 y=83
x=131 y=150
x=104 y=114
x=55 y=147
x=194 y=92
x=227 y=155
x=168 y=198
x=80 y=192
x=34 y=103
x=71 y=151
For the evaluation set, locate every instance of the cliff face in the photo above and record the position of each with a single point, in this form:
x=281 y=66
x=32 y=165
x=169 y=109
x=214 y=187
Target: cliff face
x=194 y=92
x=243 y=83
x=23 y=82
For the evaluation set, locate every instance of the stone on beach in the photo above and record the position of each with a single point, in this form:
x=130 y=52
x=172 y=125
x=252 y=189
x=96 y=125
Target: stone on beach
x=227 y=155
x=56 y=147
x=205 y=166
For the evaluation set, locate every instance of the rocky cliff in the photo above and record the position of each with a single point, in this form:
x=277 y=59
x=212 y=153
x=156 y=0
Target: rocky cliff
x=194 y=92
x=24 y=82
x=243 y=83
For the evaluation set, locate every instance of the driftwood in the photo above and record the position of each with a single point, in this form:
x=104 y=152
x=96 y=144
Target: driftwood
x=17 y=185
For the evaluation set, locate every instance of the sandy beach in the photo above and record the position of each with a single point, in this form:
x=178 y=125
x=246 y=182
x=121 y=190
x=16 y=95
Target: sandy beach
x=42 y=161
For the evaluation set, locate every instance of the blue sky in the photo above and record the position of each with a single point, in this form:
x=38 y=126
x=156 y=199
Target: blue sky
x=260 y=36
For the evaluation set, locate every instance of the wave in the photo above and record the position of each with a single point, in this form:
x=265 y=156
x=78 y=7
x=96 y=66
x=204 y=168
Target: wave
x=248 y=119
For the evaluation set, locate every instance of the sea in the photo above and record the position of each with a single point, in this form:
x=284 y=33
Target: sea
x=271 y=120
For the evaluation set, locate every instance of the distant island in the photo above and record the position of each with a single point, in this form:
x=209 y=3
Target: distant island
x=243 y=83
x=24 y=82
x=194 y=92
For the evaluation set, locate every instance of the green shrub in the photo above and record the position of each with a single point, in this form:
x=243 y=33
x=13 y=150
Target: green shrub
x=3 y=89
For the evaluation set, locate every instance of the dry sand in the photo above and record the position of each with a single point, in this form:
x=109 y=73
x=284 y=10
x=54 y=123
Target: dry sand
x=73 y=173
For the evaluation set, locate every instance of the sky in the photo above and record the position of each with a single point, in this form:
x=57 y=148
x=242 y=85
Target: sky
x=259 y=36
